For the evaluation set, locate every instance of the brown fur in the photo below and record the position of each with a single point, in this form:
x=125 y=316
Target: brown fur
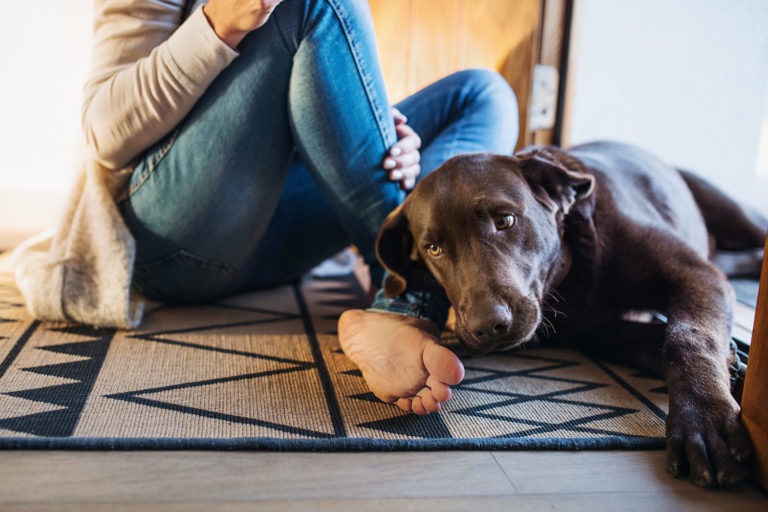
x=596 y=232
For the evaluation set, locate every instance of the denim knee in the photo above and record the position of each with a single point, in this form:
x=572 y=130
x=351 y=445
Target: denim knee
x=489 y=85
x=491 y=92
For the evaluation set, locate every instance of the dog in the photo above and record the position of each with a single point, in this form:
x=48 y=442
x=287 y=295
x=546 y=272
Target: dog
x=563 y=245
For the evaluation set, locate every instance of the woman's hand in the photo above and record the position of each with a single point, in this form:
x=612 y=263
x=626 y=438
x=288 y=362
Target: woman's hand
x=403 y=158
x=232 y=20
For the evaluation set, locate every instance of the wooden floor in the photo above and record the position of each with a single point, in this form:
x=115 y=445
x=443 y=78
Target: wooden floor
x=444 y=481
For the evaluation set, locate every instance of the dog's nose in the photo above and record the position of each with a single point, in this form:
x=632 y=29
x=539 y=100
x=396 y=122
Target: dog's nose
x=491 y=324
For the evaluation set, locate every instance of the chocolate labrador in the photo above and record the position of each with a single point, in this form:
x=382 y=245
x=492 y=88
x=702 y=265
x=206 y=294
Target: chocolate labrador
x=563 y=244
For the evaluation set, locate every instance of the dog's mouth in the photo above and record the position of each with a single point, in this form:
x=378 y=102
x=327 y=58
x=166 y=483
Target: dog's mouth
x=478 y=349
x=523 y=329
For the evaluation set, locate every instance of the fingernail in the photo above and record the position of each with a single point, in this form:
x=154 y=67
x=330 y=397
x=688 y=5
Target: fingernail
x=389 y=163
x=396 y=151
x=396 y=175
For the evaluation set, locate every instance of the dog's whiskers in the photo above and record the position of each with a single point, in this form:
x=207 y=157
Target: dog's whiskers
x=548 y=308
x=555 y=295
x=531 y=342
x=546 y=325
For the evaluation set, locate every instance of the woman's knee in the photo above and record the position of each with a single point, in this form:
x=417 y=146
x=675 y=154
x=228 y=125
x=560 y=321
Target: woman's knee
x=351 y=16
x=489 y=88
x=489 y=94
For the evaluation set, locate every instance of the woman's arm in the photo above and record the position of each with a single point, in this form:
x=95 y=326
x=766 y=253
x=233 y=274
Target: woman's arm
x=148 y=70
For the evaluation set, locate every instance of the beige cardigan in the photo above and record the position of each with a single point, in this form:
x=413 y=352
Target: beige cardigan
x=149 y=67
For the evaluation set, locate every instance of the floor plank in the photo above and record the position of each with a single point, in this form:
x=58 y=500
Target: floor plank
x=587 y=502
x=638 y=479
x=189 y=477
x=594 y=481
x=580 y=472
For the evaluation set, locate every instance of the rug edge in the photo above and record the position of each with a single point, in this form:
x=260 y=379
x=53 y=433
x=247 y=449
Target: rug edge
x=330 y=445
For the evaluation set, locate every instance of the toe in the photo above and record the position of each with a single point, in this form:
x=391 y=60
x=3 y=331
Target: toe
x=676 y=461
x=428 y=400
x=729 y=471
x=439 y=391
x=418 y=406
x=738 y=440
x=696 y=451
x=404 y=404
x=443 y=364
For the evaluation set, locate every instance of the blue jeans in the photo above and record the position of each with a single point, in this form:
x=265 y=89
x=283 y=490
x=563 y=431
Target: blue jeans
x=278 y=166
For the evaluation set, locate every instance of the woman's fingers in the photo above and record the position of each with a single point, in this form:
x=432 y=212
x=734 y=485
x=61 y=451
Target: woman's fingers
x=399 y=117
x=406 y=174
x=404 y=156
x=407 y=139
x=406 y=177
x=402 y=161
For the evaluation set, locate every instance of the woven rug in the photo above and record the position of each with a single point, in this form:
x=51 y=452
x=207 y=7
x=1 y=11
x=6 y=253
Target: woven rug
x=265 y=370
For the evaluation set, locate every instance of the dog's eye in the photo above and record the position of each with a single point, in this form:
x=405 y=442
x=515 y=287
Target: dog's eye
x=434 y=250
x=504 y=221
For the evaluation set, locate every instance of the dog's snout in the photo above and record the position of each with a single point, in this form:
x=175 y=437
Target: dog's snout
x=492 y=324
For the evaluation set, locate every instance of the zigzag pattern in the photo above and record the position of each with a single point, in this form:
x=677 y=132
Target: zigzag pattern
x=70 y=398
x=268 y=365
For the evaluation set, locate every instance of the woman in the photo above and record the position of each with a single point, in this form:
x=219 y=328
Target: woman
x=235 y=144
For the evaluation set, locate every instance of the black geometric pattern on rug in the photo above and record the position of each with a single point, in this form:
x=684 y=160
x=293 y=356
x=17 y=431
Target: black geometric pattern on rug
x=632 y=390
x=138 y=397
x=424 y=427
x=314 y=307
x=343 y=293
x=509 y=398
x=330 y=393
x=11 y=305
x=295 y=366
x=662 y=390
x=70 y=397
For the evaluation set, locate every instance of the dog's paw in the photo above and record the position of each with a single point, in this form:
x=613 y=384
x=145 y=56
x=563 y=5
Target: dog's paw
x=708 y=442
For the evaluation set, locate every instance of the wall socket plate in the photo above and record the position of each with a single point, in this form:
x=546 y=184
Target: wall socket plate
x=541 y=114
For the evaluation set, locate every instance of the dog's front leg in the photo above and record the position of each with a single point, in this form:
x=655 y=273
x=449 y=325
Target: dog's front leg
x=704 y=432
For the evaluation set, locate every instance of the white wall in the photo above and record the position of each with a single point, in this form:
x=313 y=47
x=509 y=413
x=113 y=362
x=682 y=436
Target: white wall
x=45 y=54
x=687 y=79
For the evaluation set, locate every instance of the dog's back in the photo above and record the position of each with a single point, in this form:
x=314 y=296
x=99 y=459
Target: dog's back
x=737 y=233
x=652 y=193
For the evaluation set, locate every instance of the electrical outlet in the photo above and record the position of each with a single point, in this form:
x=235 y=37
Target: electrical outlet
x=541 y=115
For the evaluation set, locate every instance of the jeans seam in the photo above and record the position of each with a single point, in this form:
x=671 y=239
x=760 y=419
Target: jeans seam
x=362 y=71
x=145 y=275
x=274 y=20
x=153 y=162
x=181 y=254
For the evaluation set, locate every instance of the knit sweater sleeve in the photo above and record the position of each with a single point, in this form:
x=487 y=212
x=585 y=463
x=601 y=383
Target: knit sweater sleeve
x=148 y=70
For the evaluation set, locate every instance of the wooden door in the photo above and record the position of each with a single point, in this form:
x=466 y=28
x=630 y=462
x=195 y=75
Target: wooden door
x=421 y=41
x=755 y=399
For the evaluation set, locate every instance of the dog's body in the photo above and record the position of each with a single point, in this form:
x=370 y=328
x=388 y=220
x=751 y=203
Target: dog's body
x=563 y=244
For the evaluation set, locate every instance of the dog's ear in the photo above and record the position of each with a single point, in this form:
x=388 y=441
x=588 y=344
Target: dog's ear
x=394 y=247
x=555 y=186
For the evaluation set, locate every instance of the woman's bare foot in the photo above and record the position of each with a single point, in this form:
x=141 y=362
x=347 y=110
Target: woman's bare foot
x=400 y=359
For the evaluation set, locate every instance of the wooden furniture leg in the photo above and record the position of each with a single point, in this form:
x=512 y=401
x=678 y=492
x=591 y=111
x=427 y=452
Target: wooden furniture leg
x=754 y=402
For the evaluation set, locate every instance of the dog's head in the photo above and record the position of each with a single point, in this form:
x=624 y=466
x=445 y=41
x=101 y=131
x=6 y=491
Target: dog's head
x=489 y=230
